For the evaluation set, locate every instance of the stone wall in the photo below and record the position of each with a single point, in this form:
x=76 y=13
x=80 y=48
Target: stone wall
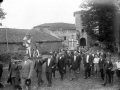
x=43 y=47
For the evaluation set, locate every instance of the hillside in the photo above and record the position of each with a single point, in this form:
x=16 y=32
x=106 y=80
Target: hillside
x=58 y=26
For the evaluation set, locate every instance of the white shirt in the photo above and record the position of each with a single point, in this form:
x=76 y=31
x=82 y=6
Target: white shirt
x=87 y=58
x=98 y=53
x=60 y=57
x=93 y=55
x=49 y=61
x=118 y=65
x=74 y=58
x=101 y=59
x=96 y=60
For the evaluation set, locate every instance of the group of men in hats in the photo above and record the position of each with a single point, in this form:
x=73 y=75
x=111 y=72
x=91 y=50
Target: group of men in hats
x=20 y=72
x=93 y=62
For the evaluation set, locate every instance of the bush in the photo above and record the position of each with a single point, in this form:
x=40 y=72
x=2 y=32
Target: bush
x=45 y=53
x=6 y=57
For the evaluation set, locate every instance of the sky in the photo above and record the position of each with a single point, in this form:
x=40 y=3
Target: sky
x=26 y=14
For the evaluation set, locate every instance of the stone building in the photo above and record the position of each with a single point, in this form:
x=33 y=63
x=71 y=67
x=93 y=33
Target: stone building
x=82 y=36
x=64 y=31
x=12 y=39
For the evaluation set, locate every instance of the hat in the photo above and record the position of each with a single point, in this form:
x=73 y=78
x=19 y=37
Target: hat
x=28 y=82
x=51 y=53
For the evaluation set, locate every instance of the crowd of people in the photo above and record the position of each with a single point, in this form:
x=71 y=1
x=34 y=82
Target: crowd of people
x=94 y=62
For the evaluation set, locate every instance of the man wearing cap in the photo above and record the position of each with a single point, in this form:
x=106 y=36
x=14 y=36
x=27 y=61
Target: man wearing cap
x=38 y=67
x=26 y=71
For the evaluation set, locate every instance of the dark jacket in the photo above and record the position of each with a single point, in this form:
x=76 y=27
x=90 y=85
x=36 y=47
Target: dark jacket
x=61 y=62
x=80 y=59
x=38 y=65
x=85 y=59
x=103 y=55
x=108 y=65
x=1 y=70
x=51 y=65
x=92 y=59
x=101 y=63
x=75 y=63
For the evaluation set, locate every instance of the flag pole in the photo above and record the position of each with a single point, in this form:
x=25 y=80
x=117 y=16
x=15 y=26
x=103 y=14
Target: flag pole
x=7 y=39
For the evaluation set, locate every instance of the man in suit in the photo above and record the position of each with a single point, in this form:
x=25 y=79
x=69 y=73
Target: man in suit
x=54 y=68
x=103 y=54
x=91 y=63
x=65 y=59
x=50 y=64
x=101 y=66
x=68 y=60
x=74 y=65
x=79 y=61
x=98 y=53
x=107 y=68
x=26 y=71
x=38 y=67
x=86 y=61
x=61 y=65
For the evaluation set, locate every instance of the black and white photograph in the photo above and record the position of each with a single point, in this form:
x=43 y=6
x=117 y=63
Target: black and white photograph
x=59 y=44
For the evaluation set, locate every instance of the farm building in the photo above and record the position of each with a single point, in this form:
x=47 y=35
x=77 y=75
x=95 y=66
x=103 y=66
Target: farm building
x=12 y=39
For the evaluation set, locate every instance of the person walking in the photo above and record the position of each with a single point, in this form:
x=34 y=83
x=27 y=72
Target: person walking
x=61 y=65
x=86 y=61
x=96 y=67
x=107 y=69
x=101 y=66
x=74 y=65
x=50 y=64
x=39 y=70
x=26 y=71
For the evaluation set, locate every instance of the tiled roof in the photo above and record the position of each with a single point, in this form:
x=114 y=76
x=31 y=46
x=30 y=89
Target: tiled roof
x=17 y=35
x=57 y=26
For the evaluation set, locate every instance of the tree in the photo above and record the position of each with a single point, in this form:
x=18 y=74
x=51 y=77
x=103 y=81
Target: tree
x=103 y=17
x=2 y=13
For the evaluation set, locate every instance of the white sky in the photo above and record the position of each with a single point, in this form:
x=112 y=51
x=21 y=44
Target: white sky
x=28 y=13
